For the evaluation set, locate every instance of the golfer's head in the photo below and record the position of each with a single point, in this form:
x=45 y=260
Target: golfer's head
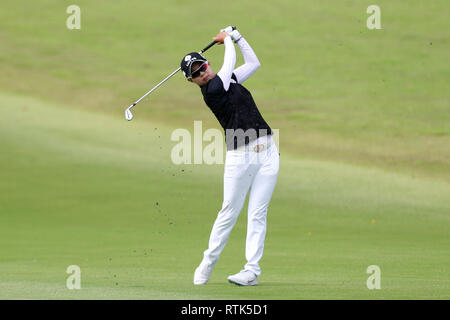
x=201 y=73
x=196 y=68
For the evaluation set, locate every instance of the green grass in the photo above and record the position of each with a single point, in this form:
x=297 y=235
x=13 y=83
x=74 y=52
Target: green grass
x=335 y=89
x=364 y=141
x=81 y=188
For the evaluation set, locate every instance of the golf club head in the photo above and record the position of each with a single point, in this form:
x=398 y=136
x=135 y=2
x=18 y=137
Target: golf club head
x=128 y=114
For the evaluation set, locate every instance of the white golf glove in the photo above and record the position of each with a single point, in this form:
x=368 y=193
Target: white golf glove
x=232 y=31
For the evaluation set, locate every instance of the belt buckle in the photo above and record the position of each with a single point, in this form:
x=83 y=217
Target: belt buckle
x=259 y=147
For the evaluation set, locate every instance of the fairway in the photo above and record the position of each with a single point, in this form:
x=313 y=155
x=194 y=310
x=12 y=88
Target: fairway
x=99 y=194
x=364 y=140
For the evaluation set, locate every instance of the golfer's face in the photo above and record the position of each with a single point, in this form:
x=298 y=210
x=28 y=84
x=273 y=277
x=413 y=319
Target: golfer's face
x=201 y=77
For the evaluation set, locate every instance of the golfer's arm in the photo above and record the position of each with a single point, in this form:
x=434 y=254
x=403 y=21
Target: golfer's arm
x=229 y=61
x=251 y=62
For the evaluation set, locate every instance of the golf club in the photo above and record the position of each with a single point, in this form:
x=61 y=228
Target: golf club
x=129 y=115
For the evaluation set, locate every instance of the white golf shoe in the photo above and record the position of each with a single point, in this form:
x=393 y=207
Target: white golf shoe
x=244 y=278
x=202 y=274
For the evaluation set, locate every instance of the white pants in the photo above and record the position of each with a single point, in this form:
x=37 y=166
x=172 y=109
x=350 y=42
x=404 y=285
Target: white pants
x=253 y=167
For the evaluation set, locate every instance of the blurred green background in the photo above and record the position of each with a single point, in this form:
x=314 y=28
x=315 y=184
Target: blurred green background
x=364 y=139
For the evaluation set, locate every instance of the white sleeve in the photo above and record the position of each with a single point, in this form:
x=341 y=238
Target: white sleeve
x=251 y=62
x=229 y=61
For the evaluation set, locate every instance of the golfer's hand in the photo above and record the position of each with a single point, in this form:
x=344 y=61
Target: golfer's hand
x=228 y=29
x=234 y=34
x=220 y=37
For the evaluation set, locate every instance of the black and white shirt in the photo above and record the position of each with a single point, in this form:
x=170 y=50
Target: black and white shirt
x=231 y=102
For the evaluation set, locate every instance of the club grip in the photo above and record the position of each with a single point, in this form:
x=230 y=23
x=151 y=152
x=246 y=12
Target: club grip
x=208 y=46
x=212 y=43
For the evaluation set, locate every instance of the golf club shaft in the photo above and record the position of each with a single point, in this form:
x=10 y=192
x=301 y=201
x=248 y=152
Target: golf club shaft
x=155 y=87
x=168 y=77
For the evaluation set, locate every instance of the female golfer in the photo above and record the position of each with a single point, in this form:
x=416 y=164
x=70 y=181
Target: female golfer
x=252 y=158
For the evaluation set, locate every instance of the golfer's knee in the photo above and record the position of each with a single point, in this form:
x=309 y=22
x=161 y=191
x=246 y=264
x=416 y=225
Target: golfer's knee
x=258 y=214
x=229 y=212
